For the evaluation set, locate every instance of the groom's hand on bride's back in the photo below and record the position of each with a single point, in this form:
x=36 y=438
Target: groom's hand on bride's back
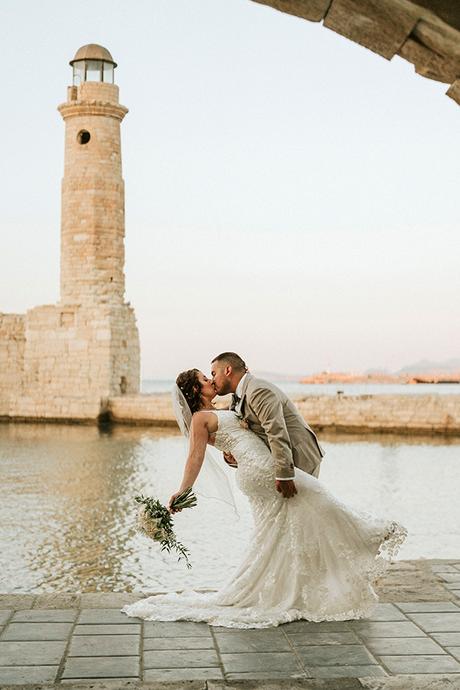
x=286 y=487
x=230 y=460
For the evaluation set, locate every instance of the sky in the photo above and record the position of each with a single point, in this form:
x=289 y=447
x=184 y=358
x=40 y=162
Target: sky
x=290 y=195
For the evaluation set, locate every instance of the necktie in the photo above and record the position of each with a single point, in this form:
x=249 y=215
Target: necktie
x=235 y=400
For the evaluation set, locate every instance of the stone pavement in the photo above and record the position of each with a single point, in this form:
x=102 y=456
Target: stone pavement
x=70 y=639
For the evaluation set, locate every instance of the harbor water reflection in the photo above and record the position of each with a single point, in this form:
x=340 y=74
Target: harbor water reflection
x=67 y=513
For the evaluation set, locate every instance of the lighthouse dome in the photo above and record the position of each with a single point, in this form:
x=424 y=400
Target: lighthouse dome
x=93 y=51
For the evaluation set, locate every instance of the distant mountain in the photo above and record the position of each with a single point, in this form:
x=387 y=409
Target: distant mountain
x=426 y=365
x=425 y=371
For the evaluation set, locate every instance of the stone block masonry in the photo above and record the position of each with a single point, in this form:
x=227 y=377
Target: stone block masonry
x=74 y=357
x=61 y=361
x=423 y=414
x=407 y=414
x=401 y=414
x=12 y=344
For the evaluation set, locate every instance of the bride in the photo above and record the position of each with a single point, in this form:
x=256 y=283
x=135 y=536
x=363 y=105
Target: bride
x=309 y=557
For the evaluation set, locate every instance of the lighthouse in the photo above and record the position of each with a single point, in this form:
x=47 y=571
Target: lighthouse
x=67 y=359
x=93 y=209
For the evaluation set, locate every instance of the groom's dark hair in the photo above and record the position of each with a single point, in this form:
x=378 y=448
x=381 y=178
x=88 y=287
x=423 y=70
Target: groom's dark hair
x=233 y=359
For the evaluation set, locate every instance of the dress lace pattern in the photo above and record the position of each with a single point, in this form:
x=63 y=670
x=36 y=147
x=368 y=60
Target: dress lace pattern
x=310 y=557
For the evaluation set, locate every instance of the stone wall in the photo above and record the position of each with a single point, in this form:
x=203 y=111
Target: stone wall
x=395 y=413
x=63 y=361
x=404 y=414
x=142 y=409
x=12 y=342
x=412 y=414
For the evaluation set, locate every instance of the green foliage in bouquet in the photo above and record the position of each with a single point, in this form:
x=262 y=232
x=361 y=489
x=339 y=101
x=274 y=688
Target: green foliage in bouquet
x=154 y=521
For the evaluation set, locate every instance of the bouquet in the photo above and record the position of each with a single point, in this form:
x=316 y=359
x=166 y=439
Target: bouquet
x=154 y=521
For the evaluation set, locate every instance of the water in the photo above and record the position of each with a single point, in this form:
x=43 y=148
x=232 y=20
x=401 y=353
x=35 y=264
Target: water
x=67 y=512
x=295 y=389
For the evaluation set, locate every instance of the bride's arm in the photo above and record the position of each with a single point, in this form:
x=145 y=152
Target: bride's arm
x=203 y=425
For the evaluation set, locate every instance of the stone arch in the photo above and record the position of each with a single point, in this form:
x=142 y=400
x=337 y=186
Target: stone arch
x=424 y=32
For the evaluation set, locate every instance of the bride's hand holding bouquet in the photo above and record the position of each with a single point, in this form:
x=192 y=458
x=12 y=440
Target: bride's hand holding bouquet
x=181 y=500
x=154 y=520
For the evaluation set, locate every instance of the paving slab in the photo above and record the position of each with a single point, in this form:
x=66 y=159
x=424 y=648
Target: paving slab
x=16 y=601
x=197 y=658
x=19 y=675
x=428 y=606
x=252 y=641
x=57 y=601
x=108 y=600
x=447 y=639
x=444 y=568
x=426 y=663
x=112 y=683
x=307 y=626
x=437 y=622
x=179 y=629
x=186 y=643
x=107 y=629
x=346 y=672
x=105 y=615
x=291 y=683
x=31 y=653
x=336 y=655
x=102 y=667
x=403 y=646
x=450 y=577
x=264 y=661
x=454 y=651
x=36 y=631
x=267 y=676
x=307 y=639
x=45 y=616
x=387 y=612
x=5 y=615
x=184 y=674
x=412 y=681
x=104 y=645
x=386 y=629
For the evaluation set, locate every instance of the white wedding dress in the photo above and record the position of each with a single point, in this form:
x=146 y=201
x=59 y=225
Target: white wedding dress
x=309 y=557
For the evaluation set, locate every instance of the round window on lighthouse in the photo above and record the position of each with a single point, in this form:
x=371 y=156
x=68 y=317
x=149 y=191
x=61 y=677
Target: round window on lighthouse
x=83 y=136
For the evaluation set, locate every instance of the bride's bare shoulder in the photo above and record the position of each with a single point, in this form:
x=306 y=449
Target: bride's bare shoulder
x=207 y=418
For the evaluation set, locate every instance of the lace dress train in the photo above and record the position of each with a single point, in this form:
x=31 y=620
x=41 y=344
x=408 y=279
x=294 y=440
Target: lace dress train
x=310 y=557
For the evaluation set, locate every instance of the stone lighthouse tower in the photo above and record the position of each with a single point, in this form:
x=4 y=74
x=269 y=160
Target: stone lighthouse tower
x=92 y=230
x=93 y=225
x=65 y=360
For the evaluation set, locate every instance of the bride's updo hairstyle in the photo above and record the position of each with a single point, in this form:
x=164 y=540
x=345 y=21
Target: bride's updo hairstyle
x=190 y=386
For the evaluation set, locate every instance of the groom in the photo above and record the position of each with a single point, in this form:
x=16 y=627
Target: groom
x=272 y=416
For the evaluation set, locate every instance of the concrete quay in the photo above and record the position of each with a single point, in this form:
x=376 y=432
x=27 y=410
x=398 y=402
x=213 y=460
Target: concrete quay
x=83 y=640
x=436 y=415
x=409 y=415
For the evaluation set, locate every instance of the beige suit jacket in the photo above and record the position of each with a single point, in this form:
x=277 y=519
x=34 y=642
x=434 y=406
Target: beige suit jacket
x=274 y=418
